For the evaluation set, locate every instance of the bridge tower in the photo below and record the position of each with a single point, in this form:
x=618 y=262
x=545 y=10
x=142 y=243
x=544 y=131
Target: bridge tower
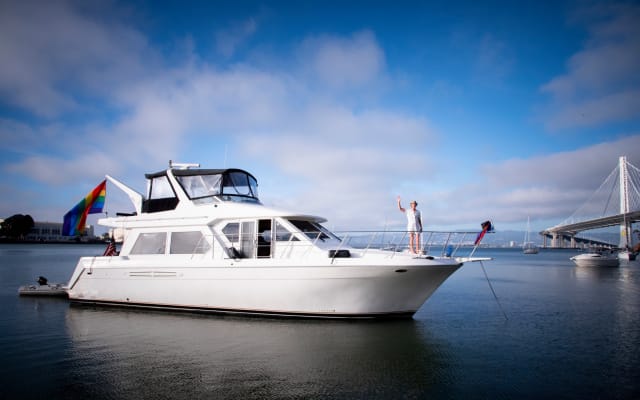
x=625 y=227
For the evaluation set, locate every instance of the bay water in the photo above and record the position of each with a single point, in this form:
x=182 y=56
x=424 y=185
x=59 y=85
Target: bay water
x=554 y=331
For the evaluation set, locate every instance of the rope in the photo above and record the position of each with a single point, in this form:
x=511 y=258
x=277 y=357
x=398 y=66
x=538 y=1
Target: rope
x=493 y=291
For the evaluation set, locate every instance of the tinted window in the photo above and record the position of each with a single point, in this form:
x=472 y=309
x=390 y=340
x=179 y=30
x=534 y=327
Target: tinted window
x=312 y=230
x=188 y=243
x=150 y=243
x=283 y=234
x=232 y=231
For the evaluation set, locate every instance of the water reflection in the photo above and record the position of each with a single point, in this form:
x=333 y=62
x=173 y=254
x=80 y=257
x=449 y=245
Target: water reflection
x=595 y=274
x=194 y=356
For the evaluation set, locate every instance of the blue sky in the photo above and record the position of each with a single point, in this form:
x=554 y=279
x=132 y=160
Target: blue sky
x=499 y=110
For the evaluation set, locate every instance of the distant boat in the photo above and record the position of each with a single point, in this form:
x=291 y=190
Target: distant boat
x=596 y=258
x=528 y=246
x=626 y=255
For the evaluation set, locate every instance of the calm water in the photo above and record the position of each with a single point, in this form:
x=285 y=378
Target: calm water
x=571 y=333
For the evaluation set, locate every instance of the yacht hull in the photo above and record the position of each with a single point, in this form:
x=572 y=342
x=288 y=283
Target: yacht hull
x=626 y=256
x=595 y=260
x=344 y=288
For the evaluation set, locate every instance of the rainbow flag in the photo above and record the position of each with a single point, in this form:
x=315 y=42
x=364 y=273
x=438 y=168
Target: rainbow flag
x=486 y=227
x=76 y=219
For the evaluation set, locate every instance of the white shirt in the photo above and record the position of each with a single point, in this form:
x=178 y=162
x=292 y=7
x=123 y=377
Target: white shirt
x=414 y=220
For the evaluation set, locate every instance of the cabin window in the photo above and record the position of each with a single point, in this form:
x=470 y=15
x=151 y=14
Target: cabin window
x=161 y=188
x=311 y=229
x=150 y=243
x=264 y=238
x=283 y=234
x=188 y=243
x=161 y=195
x=232 y=231
x=248 y=239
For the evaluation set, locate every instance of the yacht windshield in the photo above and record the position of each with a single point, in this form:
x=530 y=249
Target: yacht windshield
x=239 y=184
x=199 y=186
x=312 y=229
x=203 y=185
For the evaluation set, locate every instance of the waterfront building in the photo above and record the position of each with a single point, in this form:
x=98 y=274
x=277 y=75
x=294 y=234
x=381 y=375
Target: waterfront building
x=52 y=232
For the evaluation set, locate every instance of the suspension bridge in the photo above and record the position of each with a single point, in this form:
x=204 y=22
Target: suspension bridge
x=620 y=194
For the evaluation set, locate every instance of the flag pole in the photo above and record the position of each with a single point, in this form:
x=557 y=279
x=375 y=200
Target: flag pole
x=486 y=227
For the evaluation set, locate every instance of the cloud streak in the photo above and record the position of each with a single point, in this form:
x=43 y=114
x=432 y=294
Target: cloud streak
x=547 y=188
x=73 y=53
x=601 y=84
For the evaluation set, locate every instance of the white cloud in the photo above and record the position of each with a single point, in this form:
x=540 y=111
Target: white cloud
x=548 y=188
x=56 y=171
x=341 y=62
x=601 y=84
x=55 y=52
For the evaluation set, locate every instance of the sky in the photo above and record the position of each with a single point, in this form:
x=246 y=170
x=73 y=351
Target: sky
x=495 y=110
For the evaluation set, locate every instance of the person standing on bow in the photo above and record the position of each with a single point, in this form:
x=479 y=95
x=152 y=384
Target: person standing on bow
x=414 y=225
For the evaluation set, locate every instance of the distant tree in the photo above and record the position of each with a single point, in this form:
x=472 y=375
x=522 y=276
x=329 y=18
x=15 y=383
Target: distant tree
x=16 y=226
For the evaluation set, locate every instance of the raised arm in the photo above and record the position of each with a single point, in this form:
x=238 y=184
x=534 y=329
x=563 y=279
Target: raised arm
x=399 y=206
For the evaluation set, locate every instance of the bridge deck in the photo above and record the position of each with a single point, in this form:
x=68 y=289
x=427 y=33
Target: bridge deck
x=603 y=222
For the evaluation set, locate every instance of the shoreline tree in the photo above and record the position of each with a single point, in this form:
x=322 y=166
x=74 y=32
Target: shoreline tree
x=16 y=226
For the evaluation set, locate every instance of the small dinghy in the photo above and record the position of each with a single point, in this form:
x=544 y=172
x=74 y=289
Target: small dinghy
x=43 y=288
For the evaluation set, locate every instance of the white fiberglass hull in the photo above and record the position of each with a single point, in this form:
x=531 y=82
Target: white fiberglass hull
x=595 y=260
x=343 y=289
x=626 y=256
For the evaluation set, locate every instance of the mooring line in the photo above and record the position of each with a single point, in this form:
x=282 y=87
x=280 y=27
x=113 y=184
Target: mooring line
x=493 y=291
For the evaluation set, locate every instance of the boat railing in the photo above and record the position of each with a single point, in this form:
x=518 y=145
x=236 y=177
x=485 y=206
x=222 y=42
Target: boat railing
x=435 y=243
x=432 y=243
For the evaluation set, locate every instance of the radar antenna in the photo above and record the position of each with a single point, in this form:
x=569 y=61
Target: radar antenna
x=183 y=165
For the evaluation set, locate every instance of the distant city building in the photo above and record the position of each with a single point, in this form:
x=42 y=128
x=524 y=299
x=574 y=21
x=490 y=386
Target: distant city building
x=117 y=234
x=52 y=232
x=512 y=243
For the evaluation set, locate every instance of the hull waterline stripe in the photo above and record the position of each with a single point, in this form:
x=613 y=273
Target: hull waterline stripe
x=261 y=313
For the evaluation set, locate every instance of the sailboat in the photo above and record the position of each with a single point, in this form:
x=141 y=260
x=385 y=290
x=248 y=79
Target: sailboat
x=528 y=247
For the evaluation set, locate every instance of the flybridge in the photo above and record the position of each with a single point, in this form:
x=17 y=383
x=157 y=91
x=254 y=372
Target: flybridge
x=183 y=183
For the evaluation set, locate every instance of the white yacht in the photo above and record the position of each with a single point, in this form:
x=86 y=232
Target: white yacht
x=200 y=240
x=596 y=258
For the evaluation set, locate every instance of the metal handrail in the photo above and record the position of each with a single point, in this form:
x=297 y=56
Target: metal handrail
x=437 y=243
x=435 y=239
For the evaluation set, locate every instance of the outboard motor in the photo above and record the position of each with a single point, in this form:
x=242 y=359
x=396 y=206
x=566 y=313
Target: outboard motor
x=42 y=281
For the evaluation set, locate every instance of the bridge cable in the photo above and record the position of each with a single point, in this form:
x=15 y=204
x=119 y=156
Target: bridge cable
x=613 y=188
x=575 y=217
